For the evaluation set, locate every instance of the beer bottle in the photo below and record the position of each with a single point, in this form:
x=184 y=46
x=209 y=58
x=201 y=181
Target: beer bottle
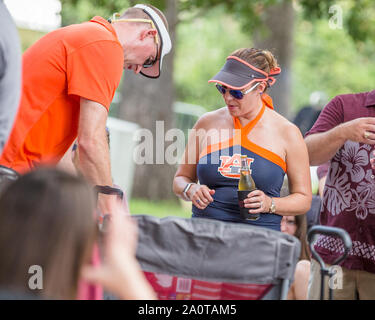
x=245 y=186
x=246 y=182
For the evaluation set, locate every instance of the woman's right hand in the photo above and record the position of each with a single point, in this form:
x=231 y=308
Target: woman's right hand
x=201 y=195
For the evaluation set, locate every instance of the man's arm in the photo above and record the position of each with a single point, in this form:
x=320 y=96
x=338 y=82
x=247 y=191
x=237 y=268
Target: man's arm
x=323 y=146
x=93 y=148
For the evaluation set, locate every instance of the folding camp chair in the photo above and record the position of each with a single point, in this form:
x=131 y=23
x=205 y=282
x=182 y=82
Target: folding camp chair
x=215 y=260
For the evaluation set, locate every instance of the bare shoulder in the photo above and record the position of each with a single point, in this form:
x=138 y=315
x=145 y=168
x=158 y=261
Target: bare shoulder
x=283 y=123
x=212 y=119
x=286 y=128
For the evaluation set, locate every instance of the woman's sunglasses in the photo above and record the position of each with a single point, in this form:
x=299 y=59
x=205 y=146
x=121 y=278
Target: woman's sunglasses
x=237 y=94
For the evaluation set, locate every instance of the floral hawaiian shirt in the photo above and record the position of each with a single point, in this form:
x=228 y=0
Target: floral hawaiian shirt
x=349 y=193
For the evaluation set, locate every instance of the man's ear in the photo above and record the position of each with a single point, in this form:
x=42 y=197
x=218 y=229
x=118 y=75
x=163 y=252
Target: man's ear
x=148 y=33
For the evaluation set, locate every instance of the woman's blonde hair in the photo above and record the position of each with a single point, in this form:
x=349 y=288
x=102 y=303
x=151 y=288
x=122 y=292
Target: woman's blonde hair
x=261 y=59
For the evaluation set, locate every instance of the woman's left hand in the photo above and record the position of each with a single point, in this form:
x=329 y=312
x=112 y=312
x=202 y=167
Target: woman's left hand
x=257 y=202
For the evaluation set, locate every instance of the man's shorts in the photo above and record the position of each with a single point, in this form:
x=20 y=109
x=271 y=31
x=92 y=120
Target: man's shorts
x=346 y=284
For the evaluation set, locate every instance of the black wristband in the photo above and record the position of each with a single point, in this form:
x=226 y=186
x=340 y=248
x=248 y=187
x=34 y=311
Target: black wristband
x=109 y=190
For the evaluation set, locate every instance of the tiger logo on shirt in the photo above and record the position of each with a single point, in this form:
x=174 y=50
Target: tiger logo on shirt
x=230 y=166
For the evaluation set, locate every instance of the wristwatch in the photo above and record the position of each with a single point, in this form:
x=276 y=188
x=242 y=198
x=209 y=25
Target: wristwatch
x=272 y=207
x=186 y=189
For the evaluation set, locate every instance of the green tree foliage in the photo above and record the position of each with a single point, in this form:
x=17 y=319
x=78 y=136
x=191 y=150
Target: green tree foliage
x=28 y=37
x=75 y=11
x=202 y=47
x=204 y=40
x=325 y=59
x=359 y=15
x=329 y=60
x=249 y=13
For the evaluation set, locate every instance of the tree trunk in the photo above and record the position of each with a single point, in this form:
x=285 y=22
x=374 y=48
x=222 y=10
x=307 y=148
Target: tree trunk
x=279 y=19
x=146 y=101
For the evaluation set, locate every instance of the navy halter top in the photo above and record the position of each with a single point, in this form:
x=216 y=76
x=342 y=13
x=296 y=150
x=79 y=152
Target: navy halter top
x=219 y=168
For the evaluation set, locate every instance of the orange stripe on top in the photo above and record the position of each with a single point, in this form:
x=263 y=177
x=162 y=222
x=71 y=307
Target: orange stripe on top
x=264 y=153
x=244 y=142
x=267 y=100
x=246 y=129
x=240 y=138
x=219 y=146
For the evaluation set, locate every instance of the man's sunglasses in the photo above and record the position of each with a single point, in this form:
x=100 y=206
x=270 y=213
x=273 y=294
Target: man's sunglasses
x=237 y=94
x=149 y=62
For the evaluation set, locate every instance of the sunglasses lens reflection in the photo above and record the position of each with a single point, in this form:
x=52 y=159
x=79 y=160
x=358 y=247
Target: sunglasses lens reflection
x=237 y=94
x=220 y=89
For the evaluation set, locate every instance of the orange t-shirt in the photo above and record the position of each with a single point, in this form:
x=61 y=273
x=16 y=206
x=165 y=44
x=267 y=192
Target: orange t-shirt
x=82 y=60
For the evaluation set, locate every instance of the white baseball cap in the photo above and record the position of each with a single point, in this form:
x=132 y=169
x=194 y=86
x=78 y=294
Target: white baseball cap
x=165 y=42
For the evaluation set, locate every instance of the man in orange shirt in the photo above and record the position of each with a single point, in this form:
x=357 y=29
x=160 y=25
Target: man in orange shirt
x=69 y=79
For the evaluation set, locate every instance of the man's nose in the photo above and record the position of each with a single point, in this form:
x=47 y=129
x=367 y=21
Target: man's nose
x=137 y=69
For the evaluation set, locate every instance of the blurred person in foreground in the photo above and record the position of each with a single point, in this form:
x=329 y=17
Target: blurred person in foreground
x=297 y=226
x=69 y=79
x=247 y=125
x=344 y=134
x=10 y=73
x=46 y=219
x=70 y=163
x=10 y=83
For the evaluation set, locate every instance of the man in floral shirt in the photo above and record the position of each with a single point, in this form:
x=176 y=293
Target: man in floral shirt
x=345 y=134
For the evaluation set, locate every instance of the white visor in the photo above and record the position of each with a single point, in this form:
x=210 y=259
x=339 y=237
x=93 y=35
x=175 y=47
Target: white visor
x=165 y=42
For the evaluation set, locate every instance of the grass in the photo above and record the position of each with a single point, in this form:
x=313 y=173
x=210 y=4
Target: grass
x=28 y=37
x=160 y=208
